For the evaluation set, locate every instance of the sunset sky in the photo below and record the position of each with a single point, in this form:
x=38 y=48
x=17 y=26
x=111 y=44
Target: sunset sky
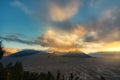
x=61 y=25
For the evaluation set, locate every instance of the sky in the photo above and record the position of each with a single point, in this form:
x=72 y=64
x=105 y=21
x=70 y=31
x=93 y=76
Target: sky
x=61 y=25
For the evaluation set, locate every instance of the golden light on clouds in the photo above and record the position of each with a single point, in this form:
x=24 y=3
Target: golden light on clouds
x=62 y=13
x=62 y=39
x=9 y=51
x=76 y=40
x=102 y=47
x=112 y=46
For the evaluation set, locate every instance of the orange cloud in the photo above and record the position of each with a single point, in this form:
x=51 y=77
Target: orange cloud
x=75 y=40
x=112 y=46
x=9 y=51
x=62 y=13
x=64 y=39
x=72 y=40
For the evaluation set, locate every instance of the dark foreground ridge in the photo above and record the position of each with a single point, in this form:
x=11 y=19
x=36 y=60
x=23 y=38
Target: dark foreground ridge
x=16 y=72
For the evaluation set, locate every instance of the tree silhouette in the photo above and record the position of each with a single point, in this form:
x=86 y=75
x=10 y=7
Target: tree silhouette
x=58 y=76
x=102 y=78
x=18 y=71
x=71 y=76
x=1 y=71
x=1 y=50
x=50 y=76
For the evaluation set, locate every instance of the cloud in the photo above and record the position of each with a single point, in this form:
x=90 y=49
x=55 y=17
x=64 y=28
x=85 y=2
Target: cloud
x=64 y=12
x=96 y=3
x=22 y=6
x=14 y=38
x=110 y=15
x=91 y=37
x=110 y=23
x=74 y=38
x=61 y=39
x=54 y=10
x=104 y=29
x=64 y=33
x=107 y=25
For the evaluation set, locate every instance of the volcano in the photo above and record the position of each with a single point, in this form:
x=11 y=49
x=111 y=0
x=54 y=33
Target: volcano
x=26 y=52
x=76 y=54
x=28 y=56
x=29 y=52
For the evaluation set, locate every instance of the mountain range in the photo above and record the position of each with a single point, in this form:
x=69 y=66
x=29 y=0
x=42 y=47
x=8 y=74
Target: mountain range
x=77 y=62
x=28 y=52
x=106 y=54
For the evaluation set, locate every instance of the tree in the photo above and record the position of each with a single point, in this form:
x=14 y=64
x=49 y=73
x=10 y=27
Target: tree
x=50 y=76
x=71 y=76
x=1 y=50
x=102 y=78
x=42 y=76
x=1 y=71
x=18 y=71
x=58 y=76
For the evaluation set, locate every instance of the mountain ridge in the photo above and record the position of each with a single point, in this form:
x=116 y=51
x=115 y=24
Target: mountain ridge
x=28 y=52
x=106 y=54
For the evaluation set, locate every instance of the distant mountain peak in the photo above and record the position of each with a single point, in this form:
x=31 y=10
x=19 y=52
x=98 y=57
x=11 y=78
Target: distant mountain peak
x=106 y=54
x=76 y=54
x=26 y=52
x=79 y=54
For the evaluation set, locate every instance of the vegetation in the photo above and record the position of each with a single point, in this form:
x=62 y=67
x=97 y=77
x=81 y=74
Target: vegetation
x=16 y=72
x=1 y=50
x=102 y=78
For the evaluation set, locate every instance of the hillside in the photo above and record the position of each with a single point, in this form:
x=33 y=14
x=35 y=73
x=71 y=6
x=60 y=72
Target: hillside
x=76 y=54
x=26 y=52
x=91 y=68
x=105 y=54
